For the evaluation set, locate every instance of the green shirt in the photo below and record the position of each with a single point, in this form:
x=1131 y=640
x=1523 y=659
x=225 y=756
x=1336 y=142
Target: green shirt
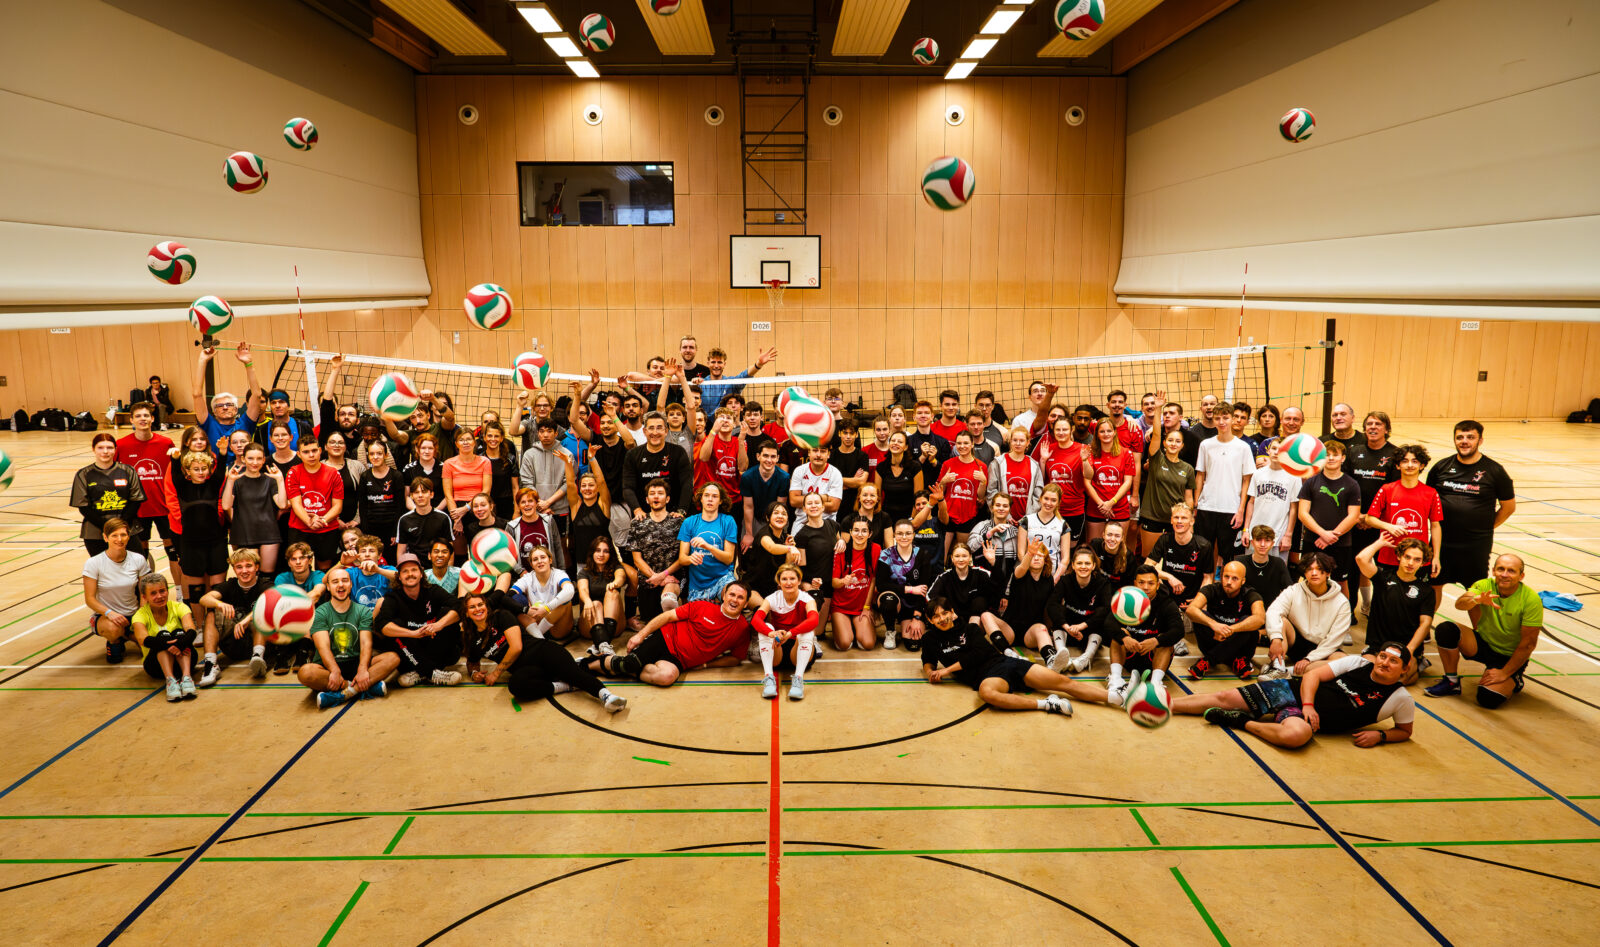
x=1165 y=487
x=343 y=630
x=1501 y=628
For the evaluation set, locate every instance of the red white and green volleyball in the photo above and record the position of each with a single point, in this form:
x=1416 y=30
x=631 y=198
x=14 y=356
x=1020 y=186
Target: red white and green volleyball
x=245 y=172
x=1297 y=124
x=531 y=370
x=1302 y=455
x=1130 y=606
x=793 y=391
x=300 y=134
x=809 y=422
x=283 y=614
x=210 y=314
x=926 y=51
x=1147 y=705
x=493 y=552
x=597 y=32
x=394 y=397
x=170 y=262
x=1080 y=19
x=948 y=183
x=472 y=581
x=487 y=305
x=664 y=7
x=7 y=471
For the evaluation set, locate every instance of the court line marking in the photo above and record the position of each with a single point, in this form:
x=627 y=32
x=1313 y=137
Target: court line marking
x=79 y=742
x=338 y=922
x=1194 y=899
x=774 y=833
x=1513 y=767
x=227 y=824
x=1145 y=826
x=44 y=624
x=389 y=849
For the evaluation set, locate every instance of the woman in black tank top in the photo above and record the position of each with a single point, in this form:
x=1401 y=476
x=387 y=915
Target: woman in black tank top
x=591 y=513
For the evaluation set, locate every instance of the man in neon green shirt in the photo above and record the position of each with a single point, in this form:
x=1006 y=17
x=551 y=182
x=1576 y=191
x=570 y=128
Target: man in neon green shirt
x=1507 y=617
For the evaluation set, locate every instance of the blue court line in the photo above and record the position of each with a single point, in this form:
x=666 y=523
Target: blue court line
x=203 y=847
x=79 y=742
x=1332 y=833
x=1513 y=767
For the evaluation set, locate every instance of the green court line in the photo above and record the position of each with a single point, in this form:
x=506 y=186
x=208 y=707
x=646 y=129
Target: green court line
x=68 y=637
x=646 y=759
x=1143 y=825
x=1205 y=915
x=1545 y=666
x=389 y=849
x=339 y=921
x=77 y=594
x=516 y=705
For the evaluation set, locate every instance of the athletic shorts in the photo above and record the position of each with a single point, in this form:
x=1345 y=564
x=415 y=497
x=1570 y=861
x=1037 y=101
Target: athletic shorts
x=94 y=622
x=1091 y=514
x=151 y=525
x=655 y=649
x=202 y=558
x=1014 y=671
x=1153 y=526
x=707 y=593
x=348 y=668
x=324 y=545
x=1361 y=538
x=152 y=667
x=1464 y=564
x=1217 y=527
x=1302 y=648
x=1490 y=658
x=965 y=526
x=1276 y=699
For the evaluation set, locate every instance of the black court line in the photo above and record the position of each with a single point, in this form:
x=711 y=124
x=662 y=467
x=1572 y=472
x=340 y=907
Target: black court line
x=77 y=743
x=1564 y=693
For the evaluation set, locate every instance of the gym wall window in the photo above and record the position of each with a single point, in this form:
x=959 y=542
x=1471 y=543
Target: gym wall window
x=595 y=194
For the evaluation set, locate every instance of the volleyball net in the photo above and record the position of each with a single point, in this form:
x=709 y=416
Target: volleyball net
x=1231 y=374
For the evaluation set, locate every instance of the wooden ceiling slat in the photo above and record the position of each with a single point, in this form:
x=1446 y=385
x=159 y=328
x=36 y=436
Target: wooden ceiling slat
x=448 y=26
x=1120 y=14
x=867 y=26
x=685 y=33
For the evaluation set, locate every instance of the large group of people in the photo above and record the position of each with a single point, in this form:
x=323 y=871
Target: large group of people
x=671 y=524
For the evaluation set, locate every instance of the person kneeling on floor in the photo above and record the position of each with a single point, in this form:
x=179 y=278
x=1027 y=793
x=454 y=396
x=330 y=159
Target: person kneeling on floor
x=1349 y=693
x=418 y=622
x=341 y=631
x=693 y=635
x=964 y=653
x=1507 y=617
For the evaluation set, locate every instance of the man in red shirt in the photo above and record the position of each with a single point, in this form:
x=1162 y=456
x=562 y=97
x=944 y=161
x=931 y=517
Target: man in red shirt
x=146 y=452
x=693 y=635
x=1408 y=508
x=948 y=425
x=316 y=497
x=1128 y=430
x=720 y=457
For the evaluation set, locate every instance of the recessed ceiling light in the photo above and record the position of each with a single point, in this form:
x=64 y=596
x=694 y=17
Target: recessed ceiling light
x=563 y=46
x=584 y=68
x=1001 y=20
x=539 y=17
x=979 y=48
x=961 y=70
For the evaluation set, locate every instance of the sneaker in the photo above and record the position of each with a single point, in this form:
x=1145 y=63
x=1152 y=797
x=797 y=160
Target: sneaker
x=1056 y=704
x=615 y=703
x=1245 y=668
x=1060 y=660
x=1518 y=680
x=115 y=652
x=1199 y=669
x=604 y=648
x=1012 y=653
x=890 y=640
x=378 y=689
x=1181 y=649
x=1232 y=719
x=1443 y=687
x=258 y=665
x=445 y=678
x=328 y=699
x=1115 y=691
x=1348 y=638
x=1276 y=671
x=281 y=660
x=561 y=687
x=797 y=688
x=174 y=692
x=209 y=672
x=769 y=687
x=186 y=688
x=913 y=645
x=1078 y=664
x=409 y=679
x=668 y=601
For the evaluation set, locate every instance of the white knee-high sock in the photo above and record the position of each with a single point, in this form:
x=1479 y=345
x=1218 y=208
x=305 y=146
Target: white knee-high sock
x=802 y=652
x=1116 y=674
x=1156 y=676
x=1091 y=645
x=540 y=627
x=765 y=645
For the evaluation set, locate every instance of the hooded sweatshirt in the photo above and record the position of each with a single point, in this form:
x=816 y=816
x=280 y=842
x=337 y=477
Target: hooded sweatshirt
x=545 y=470
x=1322 y=619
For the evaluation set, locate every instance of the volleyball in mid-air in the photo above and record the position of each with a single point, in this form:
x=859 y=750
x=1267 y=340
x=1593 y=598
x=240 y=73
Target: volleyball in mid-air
x=245 y=172
x=7 y=471
x=394 y=397
x=283 y=614
x=300 y=134
x=948 y=183
x=487 y=305
x=1146 y=702
x=1080 y=19
x=210 y=314
x=808 y=420
x=493 y=552
x=170 y=262
x=664 y=7
x=1130 y=606
x=532 y=370
x=1302 y=455
x=926 y=51
x=1297 y=124
x=597 y=32
x=472 y=581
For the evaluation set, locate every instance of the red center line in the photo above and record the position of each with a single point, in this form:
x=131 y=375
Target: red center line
x=774 y=836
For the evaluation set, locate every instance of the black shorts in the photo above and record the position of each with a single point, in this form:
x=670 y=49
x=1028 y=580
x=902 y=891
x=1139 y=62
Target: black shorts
x=1217 y=527
x=151 y=525
x=1074 y=526
x=1463 y=564
x=1489 y=658
x=1361 y=538
x=324 y=546
x=198 y=559
x=1302 y=648
x=653 y=649
x=152 y=667
x=1014 y=671
x=1091 y=514
x=1153 y=526
x=348 y=668
x=965 y=526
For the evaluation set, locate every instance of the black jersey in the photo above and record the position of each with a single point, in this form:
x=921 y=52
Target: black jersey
x=1189 y=562
x=1074 y=604
x=1470 y=494
x=1268 y=579
x=963 y=644
x=1353 y=700
x=1372 y=468
x=968 y=595
x=489 y=644
x=1164 y=623
x=1398 y=606
x=1229 y=611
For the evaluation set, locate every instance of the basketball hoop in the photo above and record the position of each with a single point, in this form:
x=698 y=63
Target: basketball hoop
x=775 y=293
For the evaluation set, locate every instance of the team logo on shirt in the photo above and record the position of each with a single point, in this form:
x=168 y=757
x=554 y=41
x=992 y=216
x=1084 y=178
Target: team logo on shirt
x=315 y=501
x=1409 y=520
x=1332 y=494
x=147 y=469
x=1411 y=591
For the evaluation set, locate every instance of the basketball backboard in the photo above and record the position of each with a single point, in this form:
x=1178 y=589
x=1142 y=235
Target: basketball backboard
x=754 y=261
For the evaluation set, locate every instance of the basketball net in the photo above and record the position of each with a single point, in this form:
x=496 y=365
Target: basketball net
x=775 y=293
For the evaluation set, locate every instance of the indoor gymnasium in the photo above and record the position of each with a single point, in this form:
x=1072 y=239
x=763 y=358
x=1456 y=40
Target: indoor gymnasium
x=800 y=472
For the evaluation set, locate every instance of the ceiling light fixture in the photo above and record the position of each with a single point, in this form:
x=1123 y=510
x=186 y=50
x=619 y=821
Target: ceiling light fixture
x=563 y=46
x=583 y=68
x=979 y=48
x=539 y=17
x=1002 y=19
x=961 y=69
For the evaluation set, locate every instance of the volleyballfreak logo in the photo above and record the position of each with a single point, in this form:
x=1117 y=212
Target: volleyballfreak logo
x=245 y=172
x=948 y=183
x=487 y=305
x=926 y=51
x=1080 y=19
x=210 y=314
x=300 y=134
x=170 y=262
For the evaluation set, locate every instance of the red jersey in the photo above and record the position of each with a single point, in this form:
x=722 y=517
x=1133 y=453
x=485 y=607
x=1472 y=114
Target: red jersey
x=316 y=491
x=149 y=459
x=776 y=431
x=875 y=456
x=948 y=431
x=1108 y=474
x=1063 y=466
x=859 y=564
x=1411 y=507
x=961 y=495
x=723 y=470
x=1018 y=479
x=702 y=632
x=1131 y=435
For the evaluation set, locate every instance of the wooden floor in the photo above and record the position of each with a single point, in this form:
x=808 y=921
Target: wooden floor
x=906 y=813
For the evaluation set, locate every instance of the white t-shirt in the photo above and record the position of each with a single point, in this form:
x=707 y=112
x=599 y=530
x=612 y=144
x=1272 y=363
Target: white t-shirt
x=550 y=592
x=829 y=483
x=118 y=582
x=1024 y=420
x=1226 y=465
x=1275 y=492
x=778 y=606
x=1049 y=532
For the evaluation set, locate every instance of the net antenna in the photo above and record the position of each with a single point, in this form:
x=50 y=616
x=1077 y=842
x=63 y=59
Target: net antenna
x=775 y=292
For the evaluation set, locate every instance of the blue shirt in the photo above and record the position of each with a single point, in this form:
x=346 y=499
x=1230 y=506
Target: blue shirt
x=216 y=431
x=713 y=390
x=717 y=533
x=763 y=493
x=312 y=581
x=367 y=589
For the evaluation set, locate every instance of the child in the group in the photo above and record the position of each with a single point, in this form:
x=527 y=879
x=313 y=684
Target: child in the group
x=164 y=628
x=417 y=529
x=786 y=621
x=370 y=578
x=230 y=626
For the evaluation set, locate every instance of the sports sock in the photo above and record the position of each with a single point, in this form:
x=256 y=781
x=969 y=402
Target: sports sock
x=802 y=652
x=765 y=645
x=561 y=687
x=1452 y=678
x=259 y=649
x=1047 y=652
x=1156 y=676
x=999 y=640
x=605 y=694
x=1116 y=675
x=1090 y=646
x=210 y=656
x=1043 y=704
x=539 y=629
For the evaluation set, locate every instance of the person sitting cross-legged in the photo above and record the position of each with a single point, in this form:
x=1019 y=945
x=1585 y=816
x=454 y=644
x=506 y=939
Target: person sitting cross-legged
x=962 y=651
x=1146 y=646
x=1227 y=616
x=1507 y=618
x=341 y=630
x=1308 y=620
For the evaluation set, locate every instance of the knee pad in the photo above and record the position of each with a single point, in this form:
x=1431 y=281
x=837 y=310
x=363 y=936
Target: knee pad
x=629 y=665
x=1489 y=699
x=192 y=593
x=1448 y=634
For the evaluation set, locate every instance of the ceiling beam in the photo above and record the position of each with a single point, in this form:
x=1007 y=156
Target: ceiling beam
x=1120 y=14
x=685 y=33
x=866 y=26
x=445 y=24
x=1160 y=28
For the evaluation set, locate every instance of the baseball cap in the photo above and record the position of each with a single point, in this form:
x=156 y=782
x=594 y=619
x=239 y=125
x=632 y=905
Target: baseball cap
x=408 y=557
x=278 y=394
